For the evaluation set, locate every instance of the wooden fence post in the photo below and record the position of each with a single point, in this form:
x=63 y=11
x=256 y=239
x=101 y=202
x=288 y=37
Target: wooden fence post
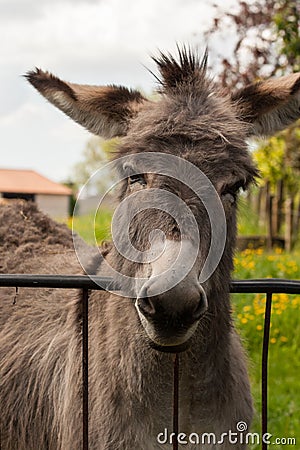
x=269 y=216
x=288 y=224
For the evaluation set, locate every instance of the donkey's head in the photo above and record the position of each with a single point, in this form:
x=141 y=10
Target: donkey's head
x=196 y=138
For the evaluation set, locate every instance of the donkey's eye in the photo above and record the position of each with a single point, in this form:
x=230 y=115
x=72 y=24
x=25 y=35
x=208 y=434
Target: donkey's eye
x=137 y=178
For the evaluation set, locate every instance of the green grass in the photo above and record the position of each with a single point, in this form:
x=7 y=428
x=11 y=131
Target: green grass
x=284 y=356
x=248 y=310
x=93 y=229
x=248 y=221
x=284 y=350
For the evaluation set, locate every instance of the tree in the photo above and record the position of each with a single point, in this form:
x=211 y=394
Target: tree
x=267 y=44
x=287 y=22
x=95 y=156
x=267 y=40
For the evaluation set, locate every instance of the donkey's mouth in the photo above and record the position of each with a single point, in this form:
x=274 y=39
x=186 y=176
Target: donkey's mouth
x=168 y=339
x=179 y=348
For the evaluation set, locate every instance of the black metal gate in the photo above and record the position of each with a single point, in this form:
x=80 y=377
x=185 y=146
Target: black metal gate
x=85 y=284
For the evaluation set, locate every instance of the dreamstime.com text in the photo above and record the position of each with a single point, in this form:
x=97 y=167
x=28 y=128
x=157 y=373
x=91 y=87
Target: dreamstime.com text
x=239 y=436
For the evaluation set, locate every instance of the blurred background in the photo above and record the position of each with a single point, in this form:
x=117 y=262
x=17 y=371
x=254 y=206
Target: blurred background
x=46 y=157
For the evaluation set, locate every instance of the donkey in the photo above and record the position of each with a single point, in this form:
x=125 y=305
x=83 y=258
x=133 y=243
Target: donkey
x=130 y=378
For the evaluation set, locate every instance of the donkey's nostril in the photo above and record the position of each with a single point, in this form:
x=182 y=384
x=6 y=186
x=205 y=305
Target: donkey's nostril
x=200 y=308
x=183 y=305
x=146 y=306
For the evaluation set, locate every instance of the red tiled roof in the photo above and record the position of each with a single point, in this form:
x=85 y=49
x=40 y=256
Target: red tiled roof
x=29 y=182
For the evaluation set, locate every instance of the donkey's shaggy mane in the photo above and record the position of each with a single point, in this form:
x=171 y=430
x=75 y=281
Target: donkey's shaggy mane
x=188 y=70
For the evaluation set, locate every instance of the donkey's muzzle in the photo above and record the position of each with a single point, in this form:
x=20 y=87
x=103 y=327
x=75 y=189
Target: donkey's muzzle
x=158 y=310
x=170 y=318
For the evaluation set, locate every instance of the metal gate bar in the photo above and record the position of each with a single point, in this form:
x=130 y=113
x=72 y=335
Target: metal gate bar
x=253 y=286
x=85 y=283
x=57 y=281
x=85 y=369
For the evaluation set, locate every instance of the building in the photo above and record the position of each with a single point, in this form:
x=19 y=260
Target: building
x=52 y=198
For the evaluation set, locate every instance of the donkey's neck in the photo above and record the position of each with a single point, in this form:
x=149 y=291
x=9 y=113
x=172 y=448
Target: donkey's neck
x=139 y=378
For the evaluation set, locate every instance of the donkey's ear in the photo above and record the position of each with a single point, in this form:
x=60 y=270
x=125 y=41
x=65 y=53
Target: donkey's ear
x=103 y=110
x=271 y=105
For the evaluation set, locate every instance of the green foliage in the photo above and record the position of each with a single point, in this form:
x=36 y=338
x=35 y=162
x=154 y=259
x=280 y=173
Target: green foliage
x=278 y=158
x=269 y=157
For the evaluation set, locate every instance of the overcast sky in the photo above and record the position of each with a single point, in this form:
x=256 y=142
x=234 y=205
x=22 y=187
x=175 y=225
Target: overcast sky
x=85 y=41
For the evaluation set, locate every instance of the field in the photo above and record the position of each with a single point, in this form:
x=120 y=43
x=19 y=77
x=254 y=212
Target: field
x=284 y=355
x=248 y=311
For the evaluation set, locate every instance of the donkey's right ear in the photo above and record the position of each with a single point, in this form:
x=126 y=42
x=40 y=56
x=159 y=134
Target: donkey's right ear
x=103 y=110
x=271 y=105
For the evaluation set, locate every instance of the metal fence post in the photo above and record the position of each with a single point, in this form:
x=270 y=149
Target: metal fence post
x=264 y=370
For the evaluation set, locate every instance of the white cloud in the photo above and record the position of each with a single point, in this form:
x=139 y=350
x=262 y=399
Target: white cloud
x=41 y=138
x=30 y=9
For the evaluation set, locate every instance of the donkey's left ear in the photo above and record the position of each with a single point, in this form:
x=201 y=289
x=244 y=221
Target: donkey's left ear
x=271 y=105
x=103 y=110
